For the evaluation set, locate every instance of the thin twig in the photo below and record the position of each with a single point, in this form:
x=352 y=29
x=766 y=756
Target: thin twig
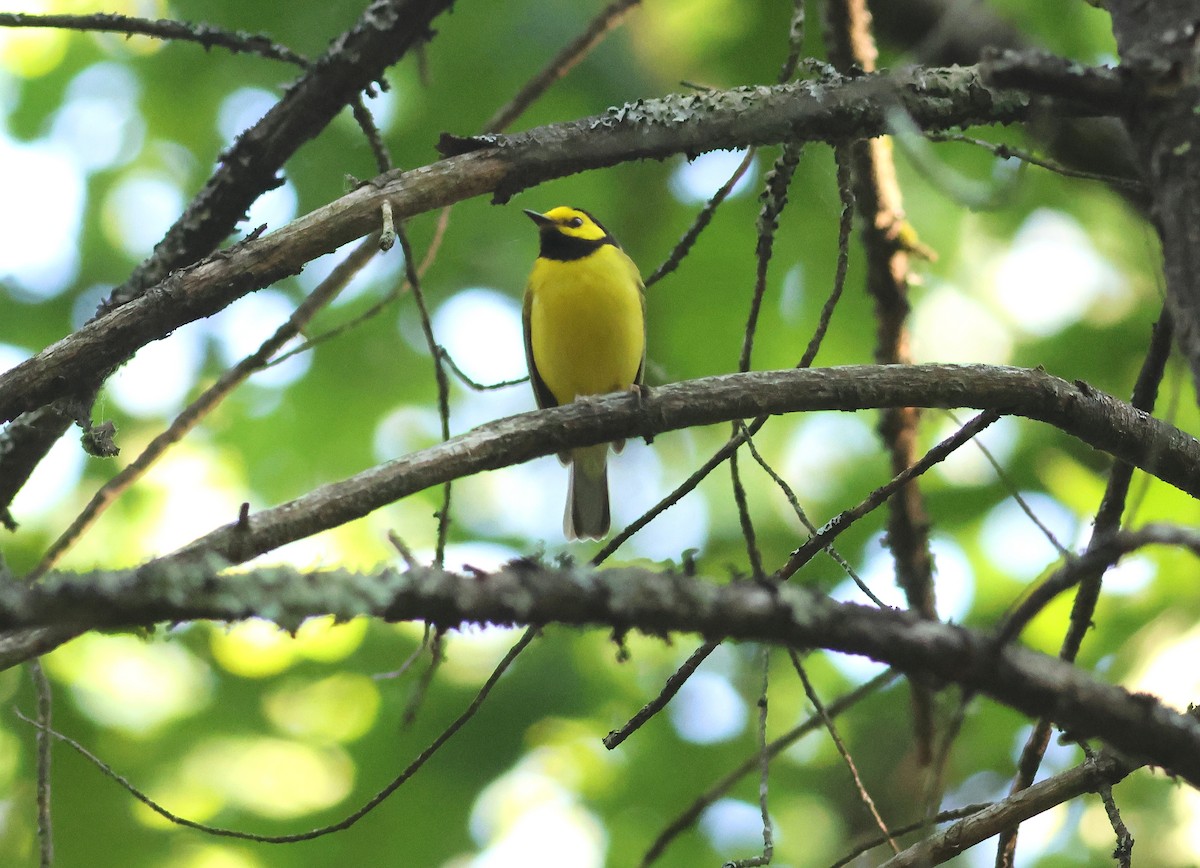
x=403 y=550
x=175 y=31
x=942 y=817
x=1015 y=493
x=1123 y=852
x=654 y=706
x=686 y=818
x=749 y=537
x=808 y=525
x=787 y=70
x=1008 y=152
x=472 y=384
x=562 y=63
x=342 y=824
x=842 y=266
x=408 y=661
x=827 y=721
x=366 y=122
x=774 y=199
x=443 y=387
x=796 y=31
x=764 y=769
x=701 y=221
x=435 y=245
x=417 y=699
x=45 y=704
x=846 y=518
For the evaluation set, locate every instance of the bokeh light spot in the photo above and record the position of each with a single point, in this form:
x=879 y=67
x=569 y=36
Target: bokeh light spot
x=139 y=209
x=252 y=649
x=707 y=709
x=340 y=708
x=130 y=684
x=697 y=180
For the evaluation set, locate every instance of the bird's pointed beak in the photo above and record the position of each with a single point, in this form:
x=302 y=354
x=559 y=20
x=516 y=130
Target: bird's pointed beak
x=540 y=219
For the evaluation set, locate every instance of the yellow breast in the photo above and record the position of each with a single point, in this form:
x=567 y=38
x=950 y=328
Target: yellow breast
x=586 y=323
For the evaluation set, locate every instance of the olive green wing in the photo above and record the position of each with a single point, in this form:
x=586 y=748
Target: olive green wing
x=637 y=278
x=541 y=392
x=640 y=377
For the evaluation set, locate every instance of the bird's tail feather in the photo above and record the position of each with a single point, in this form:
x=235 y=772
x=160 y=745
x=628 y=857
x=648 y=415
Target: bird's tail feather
x=587 y=514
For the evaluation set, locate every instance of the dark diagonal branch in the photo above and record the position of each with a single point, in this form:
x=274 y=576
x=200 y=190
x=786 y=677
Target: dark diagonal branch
x=386 y=30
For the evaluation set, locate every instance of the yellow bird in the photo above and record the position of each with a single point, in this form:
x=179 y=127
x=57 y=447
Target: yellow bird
x=585 y=334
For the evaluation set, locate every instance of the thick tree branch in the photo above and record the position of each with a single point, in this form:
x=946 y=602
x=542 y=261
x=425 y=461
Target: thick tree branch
x=629 y=598
x=1098 y=419
x=829 y=110
x=1156 y=40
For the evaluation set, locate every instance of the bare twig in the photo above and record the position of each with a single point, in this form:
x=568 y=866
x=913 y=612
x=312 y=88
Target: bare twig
x=686 y=818
x=44 y=721
x=701 y=221
x=442 y=383
x=808 y=525
x=344 y=823
x=1123 y=852
x=764 y=768
x=562 y=63
x=678 y=678
x=1008 y=152
x=827 y=721
x=834 y=527
x=379 y=306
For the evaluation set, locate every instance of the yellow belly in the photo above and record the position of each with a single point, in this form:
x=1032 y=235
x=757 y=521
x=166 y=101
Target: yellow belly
x=586 y=324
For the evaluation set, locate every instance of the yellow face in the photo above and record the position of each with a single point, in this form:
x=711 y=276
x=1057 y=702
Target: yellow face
x=572 y=223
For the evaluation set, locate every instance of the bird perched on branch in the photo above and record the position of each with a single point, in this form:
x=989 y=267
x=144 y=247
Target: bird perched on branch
x=585 y=334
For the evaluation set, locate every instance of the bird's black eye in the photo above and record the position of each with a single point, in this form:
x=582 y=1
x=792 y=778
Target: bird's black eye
x=575 y=222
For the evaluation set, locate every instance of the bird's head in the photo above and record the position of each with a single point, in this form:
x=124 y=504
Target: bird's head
x=569 y=223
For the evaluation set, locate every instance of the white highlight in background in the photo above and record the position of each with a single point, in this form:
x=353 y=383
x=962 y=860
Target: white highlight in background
x=696 y=181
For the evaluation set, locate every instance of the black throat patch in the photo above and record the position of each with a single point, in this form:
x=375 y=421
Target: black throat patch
x=564 y=248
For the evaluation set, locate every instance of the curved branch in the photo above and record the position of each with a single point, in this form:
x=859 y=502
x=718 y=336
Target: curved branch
x=1099 y=420
x=627 y=598
x=832 y=110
